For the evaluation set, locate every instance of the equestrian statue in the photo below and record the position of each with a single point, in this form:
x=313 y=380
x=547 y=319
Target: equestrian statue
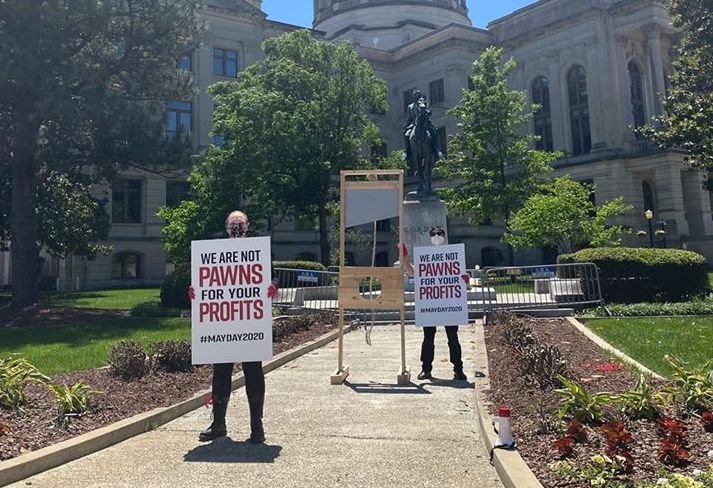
x=421 y=142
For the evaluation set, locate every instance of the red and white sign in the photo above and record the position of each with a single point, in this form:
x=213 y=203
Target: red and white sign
x=441 y=292
x=231 y=314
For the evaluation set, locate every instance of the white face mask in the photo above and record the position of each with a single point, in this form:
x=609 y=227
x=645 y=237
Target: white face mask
x=438 y=240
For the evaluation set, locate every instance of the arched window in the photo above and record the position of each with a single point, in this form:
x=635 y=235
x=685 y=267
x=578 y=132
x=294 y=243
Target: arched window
x=649 y=193
x=542 y=118
x=636 y=88
x=125 y=266
x=579 y=111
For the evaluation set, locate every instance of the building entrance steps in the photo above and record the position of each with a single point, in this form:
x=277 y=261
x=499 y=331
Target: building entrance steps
x=365 y=433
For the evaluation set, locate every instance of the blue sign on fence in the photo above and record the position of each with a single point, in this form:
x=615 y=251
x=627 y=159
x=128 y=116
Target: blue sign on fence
x=544 y=272
x=308 y=277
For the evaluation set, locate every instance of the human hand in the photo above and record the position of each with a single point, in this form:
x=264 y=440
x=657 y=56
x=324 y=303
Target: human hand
x=272 y=291
x=191 y=293
x=466 y=278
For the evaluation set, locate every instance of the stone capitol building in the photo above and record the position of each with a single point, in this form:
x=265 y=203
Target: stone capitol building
x=595 y=66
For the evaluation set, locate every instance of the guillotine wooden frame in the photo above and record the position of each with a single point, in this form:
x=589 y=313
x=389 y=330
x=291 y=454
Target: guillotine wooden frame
x=350 y=277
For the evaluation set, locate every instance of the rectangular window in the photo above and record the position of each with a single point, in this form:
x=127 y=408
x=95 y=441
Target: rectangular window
x=179 y=118
x=176 y=192
x=225 y=62
x=125 y=267
x=126 y=201
x=437 y=92
x=185 y=62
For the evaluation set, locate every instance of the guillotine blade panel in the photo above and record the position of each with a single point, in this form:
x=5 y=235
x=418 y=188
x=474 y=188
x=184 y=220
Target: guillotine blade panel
x=364 y=206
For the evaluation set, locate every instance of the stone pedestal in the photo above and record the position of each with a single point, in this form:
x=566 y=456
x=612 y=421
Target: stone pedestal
x=419 y=218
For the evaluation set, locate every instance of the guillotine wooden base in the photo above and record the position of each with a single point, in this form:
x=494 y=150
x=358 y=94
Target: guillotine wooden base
x=339 y=376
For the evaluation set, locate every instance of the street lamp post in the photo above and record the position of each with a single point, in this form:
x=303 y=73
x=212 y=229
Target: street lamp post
x=662 y=231
x=649 y=216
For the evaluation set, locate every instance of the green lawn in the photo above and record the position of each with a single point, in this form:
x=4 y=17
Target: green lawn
x=648 y=339
x=121 y=299
x=85 y=345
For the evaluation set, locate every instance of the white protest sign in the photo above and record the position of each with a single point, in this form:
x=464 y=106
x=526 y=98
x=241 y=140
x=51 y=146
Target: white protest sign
x=441 y=292
x=231 y=314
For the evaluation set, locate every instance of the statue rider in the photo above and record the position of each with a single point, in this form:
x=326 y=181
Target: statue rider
x=412 y=111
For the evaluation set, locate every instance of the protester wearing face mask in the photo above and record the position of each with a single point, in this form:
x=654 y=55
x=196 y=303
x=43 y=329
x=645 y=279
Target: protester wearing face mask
x=236 y=226
x=428 y=347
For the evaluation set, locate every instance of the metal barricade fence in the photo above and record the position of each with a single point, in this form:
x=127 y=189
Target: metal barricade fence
x=306 y=290
x=538 y=287
x=504 y=288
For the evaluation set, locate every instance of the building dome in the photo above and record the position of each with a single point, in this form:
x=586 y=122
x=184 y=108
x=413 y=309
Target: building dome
x=385 y=24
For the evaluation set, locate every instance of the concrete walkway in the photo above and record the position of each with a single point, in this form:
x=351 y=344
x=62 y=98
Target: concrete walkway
x=367 y=433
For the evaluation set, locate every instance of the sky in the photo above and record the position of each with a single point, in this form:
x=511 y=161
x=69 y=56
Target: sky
x=299 y=12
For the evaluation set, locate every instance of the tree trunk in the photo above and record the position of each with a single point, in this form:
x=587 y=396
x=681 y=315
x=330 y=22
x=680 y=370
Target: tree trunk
x=23 y=219
x=324 y=247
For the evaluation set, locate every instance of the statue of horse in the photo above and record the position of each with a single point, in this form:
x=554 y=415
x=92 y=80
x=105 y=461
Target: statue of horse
x=422 y=155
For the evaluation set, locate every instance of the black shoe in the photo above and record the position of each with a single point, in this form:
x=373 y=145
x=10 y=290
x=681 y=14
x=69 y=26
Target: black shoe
x=460 y=376
x=213 y=432
x=425 y=375
x=257 y=433
x=217 y=427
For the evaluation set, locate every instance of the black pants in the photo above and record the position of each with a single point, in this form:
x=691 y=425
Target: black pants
x=254 y=380
x=428 y=348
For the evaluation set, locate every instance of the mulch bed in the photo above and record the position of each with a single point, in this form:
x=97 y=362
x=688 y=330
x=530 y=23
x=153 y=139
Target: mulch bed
x=587 y=364
x=38 y=426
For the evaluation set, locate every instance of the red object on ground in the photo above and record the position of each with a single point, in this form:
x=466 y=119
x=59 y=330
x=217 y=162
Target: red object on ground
x=504 y=411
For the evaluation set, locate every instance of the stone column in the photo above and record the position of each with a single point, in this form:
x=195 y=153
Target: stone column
x=595 y=89
x=558 y=107
x=697 y=204
x=653 y=41
x=669 y=192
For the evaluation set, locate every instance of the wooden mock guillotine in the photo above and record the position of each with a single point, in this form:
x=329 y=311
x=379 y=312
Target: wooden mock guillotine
x=367 y=197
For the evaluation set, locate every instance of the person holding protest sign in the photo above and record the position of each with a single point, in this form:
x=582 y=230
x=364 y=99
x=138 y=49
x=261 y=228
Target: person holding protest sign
x=236 y=226
x=428 y=347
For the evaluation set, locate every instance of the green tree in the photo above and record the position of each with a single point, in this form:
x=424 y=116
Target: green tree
x=563 y=216
x=491 y=159
x=82 y=90
x=688 y=121
x=290 y=123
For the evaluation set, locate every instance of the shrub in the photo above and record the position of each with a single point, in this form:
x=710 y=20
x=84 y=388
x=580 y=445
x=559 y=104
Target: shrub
x=630 y=275
x=691 y=389
x=174 y=290
x=154 y=309
x=293 y=323
x=673 y=449
x=619 y=443
x=129 y=360
x=173 y=355
x=642 y=401
x=73 y=400
x=581 y=404
x=15 y=374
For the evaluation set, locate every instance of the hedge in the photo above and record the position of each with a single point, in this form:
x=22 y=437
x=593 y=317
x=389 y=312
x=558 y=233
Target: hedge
x=695 y=307
x=307 y=265
x=632 y=275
